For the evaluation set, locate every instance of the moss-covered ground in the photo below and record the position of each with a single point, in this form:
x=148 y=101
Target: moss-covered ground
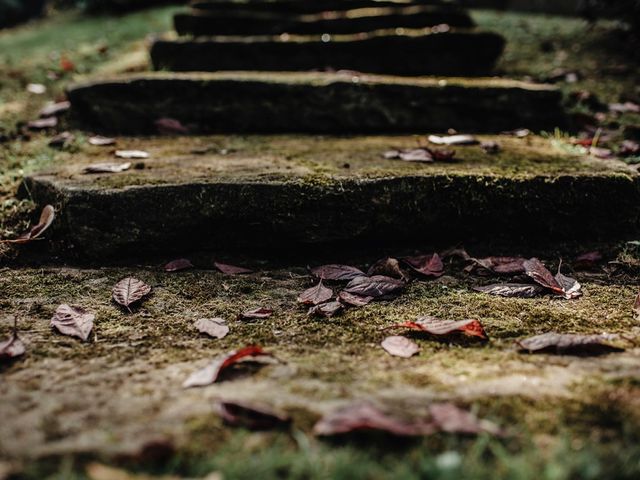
x=110 y=399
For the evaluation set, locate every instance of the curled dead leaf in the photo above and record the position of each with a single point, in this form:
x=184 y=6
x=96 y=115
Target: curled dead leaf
x=427 y=265
x=46 y=219
x=376 y=286
x=326 y=309
x=73 y=321
x=438 y=327
x=129 y=291
x=252 y=416
x=256 y=314
x=54 y=109
x=178 y=265
x=353 y=299
x=399 y=346
x=210 y=373
x=336 y=272
x=107 y=167
x=387 y=266
x=231 y=269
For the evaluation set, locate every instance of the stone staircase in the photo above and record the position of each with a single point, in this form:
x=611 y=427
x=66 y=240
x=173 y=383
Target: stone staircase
x=313 y=72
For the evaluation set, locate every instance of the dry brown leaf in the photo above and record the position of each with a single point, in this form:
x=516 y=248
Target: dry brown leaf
x=252 y=416
x=256 y=313
x=130 y=290
x=327 y=309
x=399 y=346
x=12 y=348
x=376 y=286
x=353 y=299
x=446 y=417
x=178 y=265
x=519 y=290
x=438 y=327
x=337 y=272
x=315 y=295
x=42 y=123
x=231 y=269
x=570 y=344
x=46 y=219
x=389 y=267
x=214 y=327
x=210 y=373
x=73 y=321
x=427 y=265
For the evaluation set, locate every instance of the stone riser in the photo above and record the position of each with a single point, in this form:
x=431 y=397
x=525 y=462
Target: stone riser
x=447 y=54
x=178 y=218
x=245 y=102
x=225 y=24
x=302 y=7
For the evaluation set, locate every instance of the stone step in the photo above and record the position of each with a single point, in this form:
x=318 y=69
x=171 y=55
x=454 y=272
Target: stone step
x=303 y=7
x=412 y=53
x=347 y=22
x=312 y=102
x=296 y=191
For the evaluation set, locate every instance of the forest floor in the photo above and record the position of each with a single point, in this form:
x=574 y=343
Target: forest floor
x=118 y=398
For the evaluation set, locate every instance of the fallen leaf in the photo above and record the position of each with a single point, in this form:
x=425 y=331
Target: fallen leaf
x=210 y=373
x=251 y=416
x=353 y=299
x=337 y=272
x=327 y=309
x=46 y=219
x=43 y=123
x=73 y=321
x=599 y=152
x=427 y=265
x=66 y=65
x=438 y=327
x=315 y=295
x=570 y=286
x=636 y=306
x=376 y=286
x=366 y=417
x=62 y=139
x=541 y=275
x=256 y=313
x=132 y=154
x=453 y=140
x=12 y=348
x=178 y=265
x=399 y=346
x=629 y=148
x=624 y=107
x=214 y=327
x=389 y=267
x=107 y=167
x=54 y=109
x=422 y=155
x=449 y=418
x=519 y=290
x=170 y=126
x=100 y=141
x=231 y=269
x=36 y=88
x=130 y=290
x=569 y=344
x=502 y=265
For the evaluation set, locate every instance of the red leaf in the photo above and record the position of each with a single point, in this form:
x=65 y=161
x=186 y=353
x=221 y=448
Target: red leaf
x=336 y=272
x=231 y=269
x=427 y=265
x=251 y=416
x=438 y=327
x=178 y=264
x=315 y=295
x=66 y=65
x=210 y=374
x=46 y=219
x=214 y=327
x=569 y=344
x=169 y=126
x=376 y=286
x=353 y=299
x=399 y=346
x=365 y=417
x=256 y=313
x=536 y=270
x=327 y=309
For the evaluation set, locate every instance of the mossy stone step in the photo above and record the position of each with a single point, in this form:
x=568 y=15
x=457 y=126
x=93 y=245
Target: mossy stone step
x=350 y=21
x=301 y=7
x=412 y=53
x=292 y=191
x=312 y=102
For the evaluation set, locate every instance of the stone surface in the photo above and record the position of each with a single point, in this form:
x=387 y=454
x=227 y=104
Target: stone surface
x=415 y=52
x=350 y=21
x=292 y=192
x=313 y=102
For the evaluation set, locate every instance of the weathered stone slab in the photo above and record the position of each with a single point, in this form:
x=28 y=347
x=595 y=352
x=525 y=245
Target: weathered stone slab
x=313 y=102
x=413 y=53
x=301 y=7
x=292 y=191
x=347 y=22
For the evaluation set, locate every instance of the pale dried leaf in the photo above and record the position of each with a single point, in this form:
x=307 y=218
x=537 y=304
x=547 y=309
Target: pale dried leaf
x=519 y=290
x=178 y=265
x=453 y=140
x=214 y=327
x=315 y=295
x=73 y=321
x=100 y=141
x=46 y=219
x=231 y=269
x=209 y=374
x=130 y=290
x=570 y=344
x=337 y=272
x=107 y=167
x=251 y=415
x=376 y=286
x=353 y=299
x=256 y=313
x=438 y=327
x=132 y=154
x=399 y=346
x=12 y=348
x=327 y=309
